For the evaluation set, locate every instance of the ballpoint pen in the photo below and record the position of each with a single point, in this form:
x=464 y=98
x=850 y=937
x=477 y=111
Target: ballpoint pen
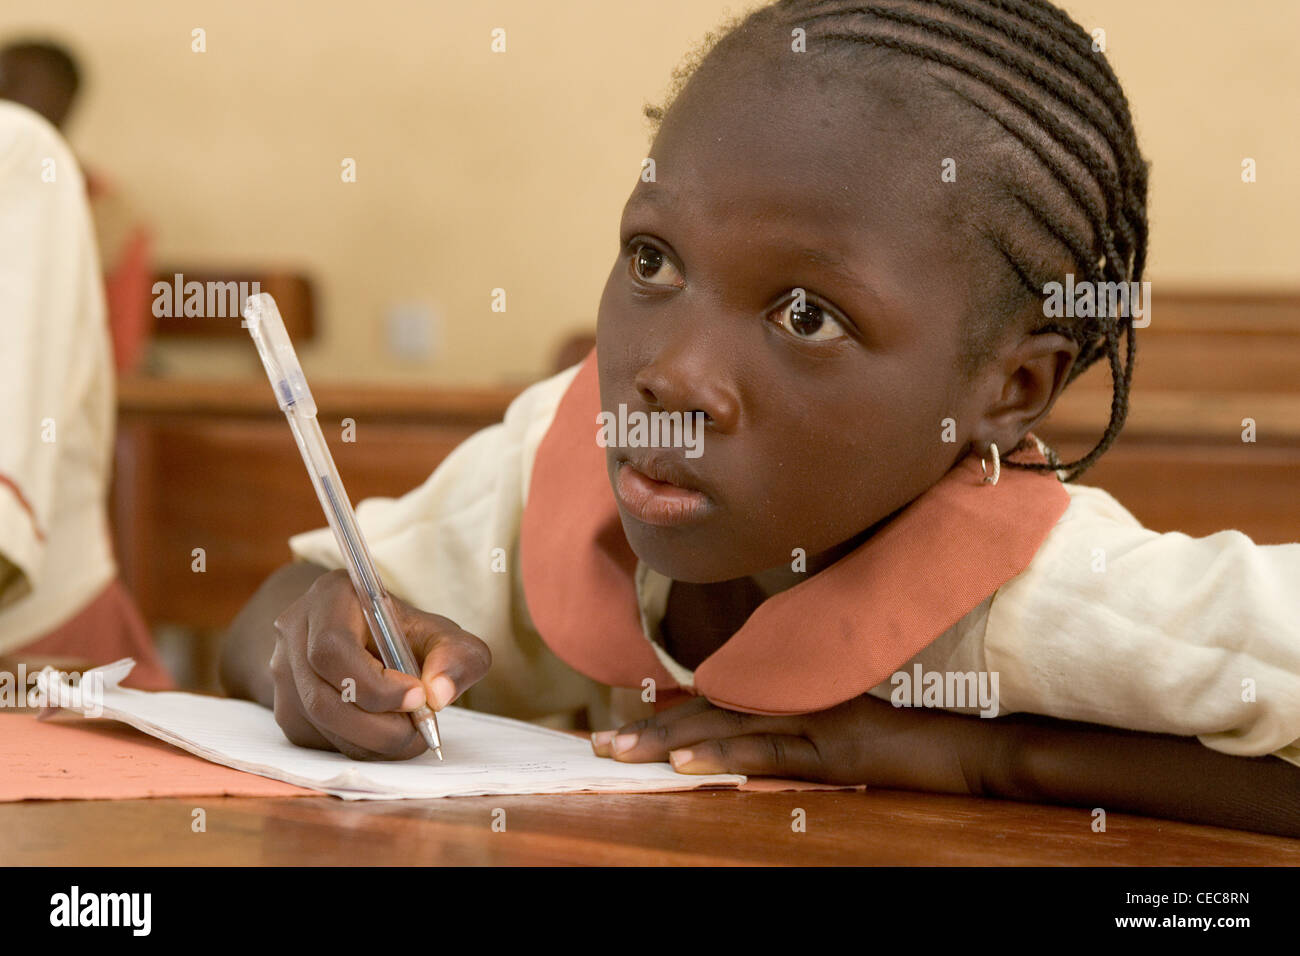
x=262 y=319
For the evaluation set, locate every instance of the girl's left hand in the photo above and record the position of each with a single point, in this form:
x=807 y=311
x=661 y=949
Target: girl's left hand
x=865 y=740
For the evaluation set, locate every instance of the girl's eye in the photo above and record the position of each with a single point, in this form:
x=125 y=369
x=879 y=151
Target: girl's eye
x=652 y=266
x=809 y=322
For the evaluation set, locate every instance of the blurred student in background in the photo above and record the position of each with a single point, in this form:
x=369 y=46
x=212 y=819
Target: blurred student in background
x=60 y=595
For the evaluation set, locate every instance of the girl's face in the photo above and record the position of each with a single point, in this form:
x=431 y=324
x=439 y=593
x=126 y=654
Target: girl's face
x=823 y=417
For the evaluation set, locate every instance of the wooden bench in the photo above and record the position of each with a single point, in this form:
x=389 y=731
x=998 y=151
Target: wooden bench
x=1208 y=362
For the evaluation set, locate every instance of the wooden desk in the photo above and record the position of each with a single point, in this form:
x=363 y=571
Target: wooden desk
x=879 y=827
x=702 y=827
x=214 y=466
x=1207 y=361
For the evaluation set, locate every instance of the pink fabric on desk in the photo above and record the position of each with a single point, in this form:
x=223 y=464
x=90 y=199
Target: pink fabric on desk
x=73 y=758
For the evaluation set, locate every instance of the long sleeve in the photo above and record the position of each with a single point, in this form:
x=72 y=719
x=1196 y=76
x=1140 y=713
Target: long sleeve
x=1113 y=623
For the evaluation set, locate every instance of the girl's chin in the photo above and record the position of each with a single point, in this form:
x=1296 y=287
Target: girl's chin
x=669 y=552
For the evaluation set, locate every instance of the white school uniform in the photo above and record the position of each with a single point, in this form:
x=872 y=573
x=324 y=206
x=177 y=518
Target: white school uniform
x=56 y=385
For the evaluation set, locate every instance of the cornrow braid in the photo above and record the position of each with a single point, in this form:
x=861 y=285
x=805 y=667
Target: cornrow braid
x=1032 y=70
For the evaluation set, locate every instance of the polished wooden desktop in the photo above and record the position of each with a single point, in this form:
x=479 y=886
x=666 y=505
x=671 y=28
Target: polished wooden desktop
x=713 y=827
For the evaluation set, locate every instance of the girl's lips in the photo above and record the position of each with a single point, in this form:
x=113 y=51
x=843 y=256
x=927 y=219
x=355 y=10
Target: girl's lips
x=657 y=502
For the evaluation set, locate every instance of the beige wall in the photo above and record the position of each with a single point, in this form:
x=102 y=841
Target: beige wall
x=478 y=170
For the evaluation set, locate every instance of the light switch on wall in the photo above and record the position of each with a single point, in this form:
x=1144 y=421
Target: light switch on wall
x=413 y=330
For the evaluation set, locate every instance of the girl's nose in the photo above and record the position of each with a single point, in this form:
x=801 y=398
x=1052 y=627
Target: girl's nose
x=678 y=384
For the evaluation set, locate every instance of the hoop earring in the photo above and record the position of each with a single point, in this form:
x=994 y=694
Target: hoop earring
x=997 y=466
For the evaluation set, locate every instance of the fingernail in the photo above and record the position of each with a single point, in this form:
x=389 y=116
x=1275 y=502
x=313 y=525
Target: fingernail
x=624 y=742
x=413 y=698
x=603 y=737
x=443 y=691
x=680 y=758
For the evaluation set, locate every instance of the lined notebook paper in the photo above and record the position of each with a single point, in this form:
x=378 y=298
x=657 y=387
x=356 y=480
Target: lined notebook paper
x=485 y=754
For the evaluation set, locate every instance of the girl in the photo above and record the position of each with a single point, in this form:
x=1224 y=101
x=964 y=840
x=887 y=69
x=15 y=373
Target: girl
x=835 y=267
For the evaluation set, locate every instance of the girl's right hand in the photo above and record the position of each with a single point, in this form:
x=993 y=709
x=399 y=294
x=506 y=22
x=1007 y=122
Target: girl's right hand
x=332 y=691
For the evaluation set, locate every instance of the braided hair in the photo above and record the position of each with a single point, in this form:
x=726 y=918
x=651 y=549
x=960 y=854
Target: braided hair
x=1028 y=68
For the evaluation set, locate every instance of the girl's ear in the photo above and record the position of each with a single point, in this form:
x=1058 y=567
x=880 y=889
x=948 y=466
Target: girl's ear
x=1024 y=383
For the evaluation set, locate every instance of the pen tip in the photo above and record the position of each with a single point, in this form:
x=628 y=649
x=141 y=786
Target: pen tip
x=438 y=751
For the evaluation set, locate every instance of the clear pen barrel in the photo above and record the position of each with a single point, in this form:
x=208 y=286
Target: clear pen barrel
x=376 y=606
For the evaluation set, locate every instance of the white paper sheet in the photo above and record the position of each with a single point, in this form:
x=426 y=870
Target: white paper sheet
x=485 y=754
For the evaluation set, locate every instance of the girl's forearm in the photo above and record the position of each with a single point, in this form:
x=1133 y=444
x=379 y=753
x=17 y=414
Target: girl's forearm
x=1027 y=757
x=247 y=646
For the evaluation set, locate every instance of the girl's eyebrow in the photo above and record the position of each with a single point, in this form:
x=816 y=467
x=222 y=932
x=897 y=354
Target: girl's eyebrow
x=834 y=265
x=657 y=196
